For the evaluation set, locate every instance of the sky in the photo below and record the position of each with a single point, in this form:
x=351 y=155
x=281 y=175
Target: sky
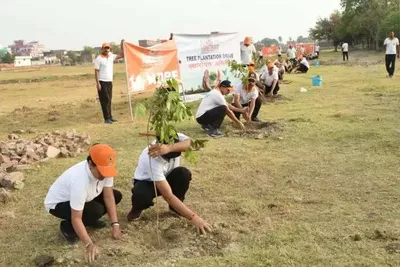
x=75 y=23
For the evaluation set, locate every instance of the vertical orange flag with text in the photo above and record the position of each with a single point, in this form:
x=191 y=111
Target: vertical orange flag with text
x=148 y=66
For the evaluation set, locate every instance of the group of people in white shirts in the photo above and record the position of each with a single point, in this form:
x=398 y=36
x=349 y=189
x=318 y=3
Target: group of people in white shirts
x=247 y=99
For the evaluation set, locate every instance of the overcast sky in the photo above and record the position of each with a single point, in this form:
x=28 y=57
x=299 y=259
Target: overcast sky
x=75 y=23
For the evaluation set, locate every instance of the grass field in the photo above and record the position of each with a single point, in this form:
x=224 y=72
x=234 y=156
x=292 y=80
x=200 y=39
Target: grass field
x=323 y=191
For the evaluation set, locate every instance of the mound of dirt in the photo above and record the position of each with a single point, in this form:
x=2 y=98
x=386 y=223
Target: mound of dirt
x=276 y=99
x=254 y=130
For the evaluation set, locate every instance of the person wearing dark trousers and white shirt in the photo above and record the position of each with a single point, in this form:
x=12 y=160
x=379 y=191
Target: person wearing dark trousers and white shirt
x=213 y=109
x=83 y=194
x=104 y=71
x=248 y=96
x=345 y=51
x=160 y=164
x=392 y=49
x=271 y=81
x=304 y=66
x=316 y=49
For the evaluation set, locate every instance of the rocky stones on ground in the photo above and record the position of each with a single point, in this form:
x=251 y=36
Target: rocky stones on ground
x=13 y=180
x=18 y=154
x=52 y=152
x=4 y=196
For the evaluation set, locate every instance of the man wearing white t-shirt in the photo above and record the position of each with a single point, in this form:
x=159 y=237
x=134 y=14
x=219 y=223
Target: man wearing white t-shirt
x=304 y=66
x=104 y=71
x=392 y=48
x=247 y=50
x=271 y=81
x=83 y=194
x=291 y=53
x=316 y=49
x=213 y=109
x=345 y=51
x=247 y=95
x=159 y=166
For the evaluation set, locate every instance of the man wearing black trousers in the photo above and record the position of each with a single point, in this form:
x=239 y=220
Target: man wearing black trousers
x=104 y=68
x=213 y=109
x=392 y=48
x=83 y=194
x=160 y=164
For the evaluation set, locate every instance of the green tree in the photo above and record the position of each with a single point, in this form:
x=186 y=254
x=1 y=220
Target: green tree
x=115 y=48
x=72 y=56
x=269 y=42
x=7 y=58
x=367 y=18
x=88 y=50
x=329 y=29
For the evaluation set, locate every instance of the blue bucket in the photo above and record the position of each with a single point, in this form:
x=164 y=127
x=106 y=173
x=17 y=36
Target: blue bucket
x=316 y=80
x=316 y=63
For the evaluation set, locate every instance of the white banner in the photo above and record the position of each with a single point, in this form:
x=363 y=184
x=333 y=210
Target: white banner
x=204 y=61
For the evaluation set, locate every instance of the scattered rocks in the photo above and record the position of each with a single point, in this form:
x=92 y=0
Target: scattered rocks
x=4 y=196
x=52 y=152
x=18 y=154
x=10 y=180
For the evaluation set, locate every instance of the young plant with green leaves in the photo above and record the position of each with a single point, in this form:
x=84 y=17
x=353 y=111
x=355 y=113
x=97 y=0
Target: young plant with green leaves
x=240 y=71
x=166 y=109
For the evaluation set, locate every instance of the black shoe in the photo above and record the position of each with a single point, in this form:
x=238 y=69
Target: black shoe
x=134 y=215
x=215 y=133
x=68 y=232
x=206 y=128
x=108 y=121
x=99 y=224
x=255 y=119
x=113 y=120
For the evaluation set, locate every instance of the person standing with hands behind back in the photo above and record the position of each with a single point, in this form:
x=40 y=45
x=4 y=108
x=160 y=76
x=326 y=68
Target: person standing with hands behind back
x=103 y=70
x=392 y=48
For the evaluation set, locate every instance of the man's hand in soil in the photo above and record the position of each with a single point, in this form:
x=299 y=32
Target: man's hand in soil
x=158 y=150
x=92 y=252
x=116 y=232
x=99 y=87
x=201 y=225
x=241 y=125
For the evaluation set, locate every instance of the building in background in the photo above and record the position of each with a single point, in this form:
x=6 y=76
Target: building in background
x=149 y=43
x=23 y=61
x=33 y=49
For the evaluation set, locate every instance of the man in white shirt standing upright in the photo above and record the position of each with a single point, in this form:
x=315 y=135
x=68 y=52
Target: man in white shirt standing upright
x=291 y=53
x=316 y=49
x=392 y=48
x=104 y=70
x=345 y=51
x=247 y=50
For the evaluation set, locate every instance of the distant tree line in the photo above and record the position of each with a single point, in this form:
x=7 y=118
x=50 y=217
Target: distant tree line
x=363 y=23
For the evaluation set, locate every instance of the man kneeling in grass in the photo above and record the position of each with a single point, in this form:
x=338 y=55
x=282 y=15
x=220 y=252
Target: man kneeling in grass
x=160 y=164
x=213 y=109
x=83 y=194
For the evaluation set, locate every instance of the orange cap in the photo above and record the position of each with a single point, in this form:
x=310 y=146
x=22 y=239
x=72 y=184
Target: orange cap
x=105 y=45
x=247 y=40
x=104 y=157
x=270 y=65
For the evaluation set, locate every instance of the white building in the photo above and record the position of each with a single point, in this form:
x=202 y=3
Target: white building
x=22 y=61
